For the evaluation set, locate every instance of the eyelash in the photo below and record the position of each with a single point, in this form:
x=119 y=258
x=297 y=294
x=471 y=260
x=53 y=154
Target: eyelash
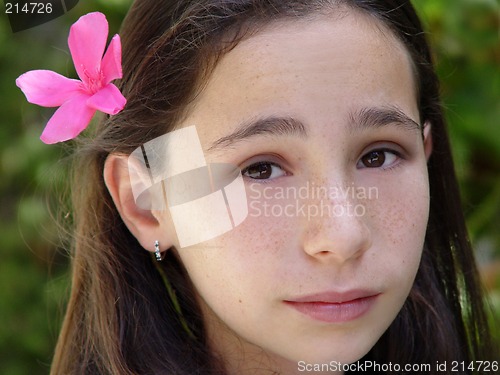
x=385 y=151
x=391 y=167
x=259 y=164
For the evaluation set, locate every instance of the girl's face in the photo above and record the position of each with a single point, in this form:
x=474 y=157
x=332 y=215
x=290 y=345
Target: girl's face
x=334 y=165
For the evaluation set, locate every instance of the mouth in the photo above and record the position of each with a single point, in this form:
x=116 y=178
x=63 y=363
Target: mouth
x=335 y=307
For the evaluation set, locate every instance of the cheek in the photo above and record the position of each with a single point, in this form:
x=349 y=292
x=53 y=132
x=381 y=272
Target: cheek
x=239 y=266
x=399 y=222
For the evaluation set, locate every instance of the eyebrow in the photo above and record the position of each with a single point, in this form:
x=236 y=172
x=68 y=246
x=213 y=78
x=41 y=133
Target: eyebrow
x=366 y=118
x=271 y=125
x=377 y=117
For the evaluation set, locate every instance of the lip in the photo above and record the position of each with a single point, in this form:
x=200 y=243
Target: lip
x=335 y=307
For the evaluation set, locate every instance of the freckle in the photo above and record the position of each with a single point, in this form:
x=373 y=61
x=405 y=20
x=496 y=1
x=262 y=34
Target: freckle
x=239 y=300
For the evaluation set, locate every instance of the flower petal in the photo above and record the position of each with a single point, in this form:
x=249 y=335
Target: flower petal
x=68 y=121
x=47 y=88
x=87 y=40
x=108 y=100
x=111 y=65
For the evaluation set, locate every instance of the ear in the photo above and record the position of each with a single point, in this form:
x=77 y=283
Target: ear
x=147 y=226
x=427 y=140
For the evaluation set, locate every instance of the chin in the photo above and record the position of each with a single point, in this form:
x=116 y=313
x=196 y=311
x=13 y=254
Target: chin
x=334 y=352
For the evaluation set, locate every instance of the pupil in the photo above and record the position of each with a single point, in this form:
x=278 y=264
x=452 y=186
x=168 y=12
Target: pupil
x=374 y=159
x=260 y=171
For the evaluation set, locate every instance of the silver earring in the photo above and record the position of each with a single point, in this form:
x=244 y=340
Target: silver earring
x=157 y=251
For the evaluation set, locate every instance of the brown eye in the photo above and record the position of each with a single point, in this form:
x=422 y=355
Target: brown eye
x=379 y=159
x=263 y=171
x=374 y=159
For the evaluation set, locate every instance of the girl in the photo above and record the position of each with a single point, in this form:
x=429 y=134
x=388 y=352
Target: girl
x=336 y=94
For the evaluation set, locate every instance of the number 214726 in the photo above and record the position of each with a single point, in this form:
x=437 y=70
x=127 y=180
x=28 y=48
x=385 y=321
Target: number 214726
x=28 y=8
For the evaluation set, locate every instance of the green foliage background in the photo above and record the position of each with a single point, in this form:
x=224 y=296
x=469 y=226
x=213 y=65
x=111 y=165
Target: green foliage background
x=34 y=278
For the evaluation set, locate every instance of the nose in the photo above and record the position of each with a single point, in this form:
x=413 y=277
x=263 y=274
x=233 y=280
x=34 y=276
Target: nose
x=340 y=231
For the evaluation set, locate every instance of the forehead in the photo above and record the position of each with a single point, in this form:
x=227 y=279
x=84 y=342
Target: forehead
x=307 y=66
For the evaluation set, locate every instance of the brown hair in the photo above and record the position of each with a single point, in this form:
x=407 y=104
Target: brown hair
x=121 y=317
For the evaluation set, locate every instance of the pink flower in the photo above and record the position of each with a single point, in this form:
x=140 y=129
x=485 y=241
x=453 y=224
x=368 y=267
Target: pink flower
x=79 y=100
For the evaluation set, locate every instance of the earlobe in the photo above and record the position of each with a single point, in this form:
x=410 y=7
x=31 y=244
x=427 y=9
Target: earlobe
x=145 y=225
x=427 y=133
